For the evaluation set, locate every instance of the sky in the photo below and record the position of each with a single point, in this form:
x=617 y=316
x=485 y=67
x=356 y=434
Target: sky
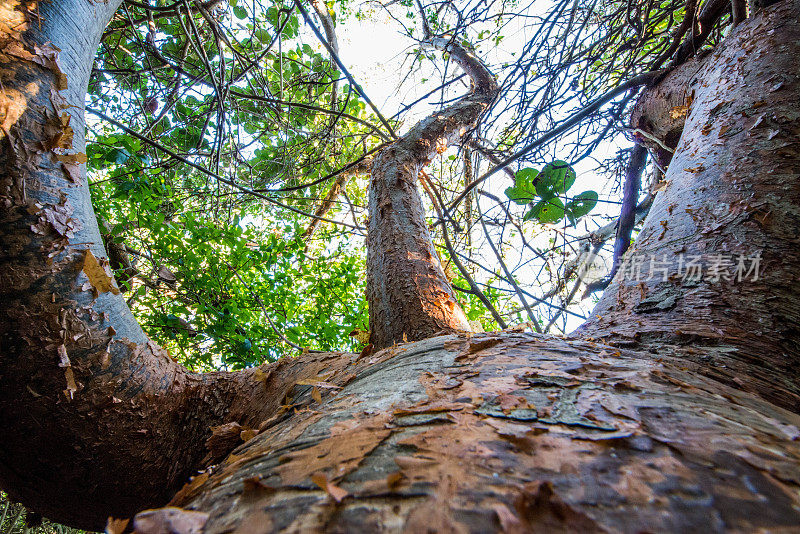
x=376 y=53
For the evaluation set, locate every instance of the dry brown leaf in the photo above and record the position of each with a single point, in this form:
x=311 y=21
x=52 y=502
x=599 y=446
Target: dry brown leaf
x=315 y=394
x=72 y=387
x=116 y=526
x=99 y=279
x=170 y=520
x=335 y=492
x=72 y=159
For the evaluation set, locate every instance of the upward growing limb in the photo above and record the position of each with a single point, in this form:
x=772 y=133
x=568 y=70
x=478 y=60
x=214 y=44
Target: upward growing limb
x=409 y=296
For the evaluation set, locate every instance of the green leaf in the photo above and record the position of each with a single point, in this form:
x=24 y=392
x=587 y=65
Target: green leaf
x=240 y=12
x=582 y=204
x=524 y=190
x=525 y=178
x=520 y=197
x=118 y=155
x=546 y=211
x=556 y=178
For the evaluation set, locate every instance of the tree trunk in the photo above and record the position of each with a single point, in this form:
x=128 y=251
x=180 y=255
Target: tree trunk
x=99 y=420
x=667 y=426
x=409 y=296
x=732 y=194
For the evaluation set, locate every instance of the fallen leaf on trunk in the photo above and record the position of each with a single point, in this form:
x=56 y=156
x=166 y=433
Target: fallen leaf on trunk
x=335 y=492
x=99 y=279
x=169 y=521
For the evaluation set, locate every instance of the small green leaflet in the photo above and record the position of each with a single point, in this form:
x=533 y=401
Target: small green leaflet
x=546 y=211
x=240 y=12
x=555 y=179
x=524 y=190
x=582 y=204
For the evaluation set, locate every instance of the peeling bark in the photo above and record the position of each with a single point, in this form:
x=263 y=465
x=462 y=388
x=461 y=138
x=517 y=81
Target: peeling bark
x=515 y=433
x=682 y=428
x=733 y=191
x=100 y=421
x=409 y=296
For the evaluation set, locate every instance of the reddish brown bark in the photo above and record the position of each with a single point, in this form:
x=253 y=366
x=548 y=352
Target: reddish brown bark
x=462 y=433
x=409 y=296
x=732 y=191
x=98 y=419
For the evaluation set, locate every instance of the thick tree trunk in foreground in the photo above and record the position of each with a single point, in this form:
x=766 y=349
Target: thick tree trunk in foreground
x=452 y=434
x=733 y=193
x=98 y=420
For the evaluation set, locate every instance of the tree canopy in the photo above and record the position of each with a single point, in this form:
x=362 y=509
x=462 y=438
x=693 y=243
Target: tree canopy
x=230 y=148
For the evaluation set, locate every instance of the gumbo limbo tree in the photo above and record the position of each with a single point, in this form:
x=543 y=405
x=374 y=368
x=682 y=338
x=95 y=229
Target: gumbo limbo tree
x=673 y=408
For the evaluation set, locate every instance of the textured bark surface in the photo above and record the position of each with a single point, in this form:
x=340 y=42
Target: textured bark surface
x=732 y=190
x=409 y=296
x=681 y=428
x=673 y=432
x=515 y=433
x=98 y=419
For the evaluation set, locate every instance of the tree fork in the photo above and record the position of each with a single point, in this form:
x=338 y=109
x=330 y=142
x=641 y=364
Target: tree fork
x=495 y=431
